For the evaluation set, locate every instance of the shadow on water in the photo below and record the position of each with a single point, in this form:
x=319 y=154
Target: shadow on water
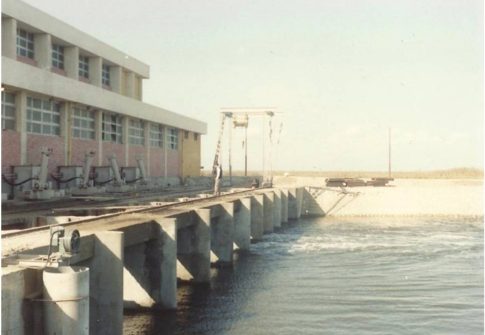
x=213 y=308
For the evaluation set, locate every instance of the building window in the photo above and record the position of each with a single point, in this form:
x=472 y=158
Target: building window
x=58 y=56
x=106 y=77
x=25 y=44
x=84 y=67
x=137 y=132
x=112 y=128
x=172 y=140
x=196 y=137
x=186 y=134
x=156 y=135
x=83 y=125
x=43 y=116
x=8 y=110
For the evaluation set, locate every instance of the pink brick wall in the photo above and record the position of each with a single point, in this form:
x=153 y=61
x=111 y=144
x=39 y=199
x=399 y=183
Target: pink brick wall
x=173 y=163
x=135 y=151
x=156 y=163
x=113 y=148
x=79 y=149
x=35 y=142
x=10 y=149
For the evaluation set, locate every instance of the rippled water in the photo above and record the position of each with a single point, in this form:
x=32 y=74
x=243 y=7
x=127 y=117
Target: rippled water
x=335 y=276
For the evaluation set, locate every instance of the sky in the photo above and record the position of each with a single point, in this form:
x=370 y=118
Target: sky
x=341 y=73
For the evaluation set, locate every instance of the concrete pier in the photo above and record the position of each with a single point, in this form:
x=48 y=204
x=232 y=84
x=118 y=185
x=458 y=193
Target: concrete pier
x=136 y=260
x=242 y=224
x=193 y=246
x=168 y=266
x=277 y=209
x=222 y=234
x=257 y=217
x=106 y=283
x=268 y=212
x=284 y=205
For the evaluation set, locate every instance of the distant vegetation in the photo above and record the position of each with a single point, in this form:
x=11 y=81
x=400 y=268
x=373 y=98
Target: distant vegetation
x=457 y=173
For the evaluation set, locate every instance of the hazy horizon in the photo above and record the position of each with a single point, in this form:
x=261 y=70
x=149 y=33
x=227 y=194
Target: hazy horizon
x=341 y=73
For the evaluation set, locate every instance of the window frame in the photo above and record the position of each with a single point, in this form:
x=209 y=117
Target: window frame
x=28 y=39
x=57 y=56
x=83 y=67
x=106 y=75
x=11 y=106
x=86 y=127
x=172 y=138
x=157 y=132
x=41 y=120
x=136 y=132
x=112 y=128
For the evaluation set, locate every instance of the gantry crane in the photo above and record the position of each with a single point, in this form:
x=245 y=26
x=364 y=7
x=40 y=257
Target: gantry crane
x=240 y=117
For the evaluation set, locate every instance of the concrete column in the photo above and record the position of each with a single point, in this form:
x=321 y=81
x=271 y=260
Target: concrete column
x=71 y=62
x=106 y=284
x=277 y=209
x=125 y=135
x=21 y=123
x=9 y=38
x=257 y=217
x=66 y=130
x=98 y=121
x=115 y=78
x=242 y=225
x=43 y=50
x=139 y=88
x=268 y=212
x=222 y=235
x=168 y=278
x=292 y=204
x=193 y=247
x=130 y=84
x=147 y=148
x=284 y=206
x=95 y=70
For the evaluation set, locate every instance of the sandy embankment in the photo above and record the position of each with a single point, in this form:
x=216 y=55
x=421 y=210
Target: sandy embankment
x=405 y=197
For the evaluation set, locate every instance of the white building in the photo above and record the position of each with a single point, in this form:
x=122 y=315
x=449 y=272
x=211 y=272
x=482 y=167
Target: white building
x=70 y=92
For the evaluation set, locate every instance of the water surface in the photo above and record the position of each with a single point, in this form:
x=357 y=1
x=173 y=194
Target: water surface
x=340 y=276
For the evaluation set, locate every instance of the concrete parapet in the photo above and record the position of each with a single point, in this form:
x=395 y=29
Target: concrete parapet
x=277 y=209
x=268 y=212
x=257 y=217
x=242 y=224
x=193 y=246
x=284 y=206
x=222 y=234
